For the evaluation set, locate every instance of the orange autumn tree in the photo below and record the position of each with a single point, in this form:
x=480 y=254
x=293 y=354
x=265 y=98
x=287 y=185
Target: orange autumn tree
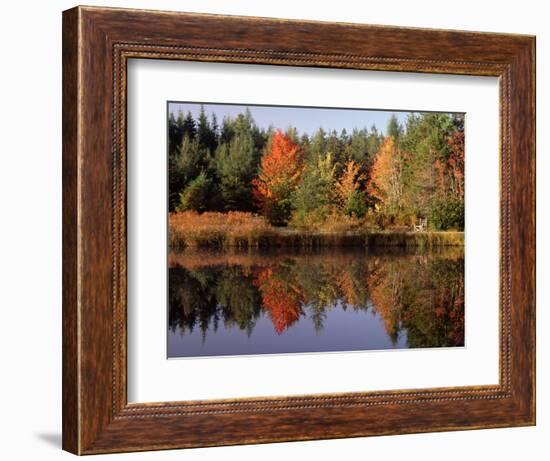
x=386 y=180
x=280 y=171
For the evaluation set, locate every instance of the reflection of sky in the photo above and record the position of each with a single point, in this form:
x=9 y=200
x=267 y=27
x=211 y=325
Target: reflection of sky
x=305 y=120
x=343 y=330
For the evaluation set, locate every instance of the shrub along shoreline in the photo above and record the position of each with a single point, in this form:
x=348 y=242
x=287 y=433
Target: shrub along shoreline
x=239 y=231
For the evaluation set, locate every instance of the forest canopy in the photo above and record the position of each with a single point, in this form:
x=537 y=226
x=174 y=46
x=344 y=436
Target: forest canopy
x=414 y=171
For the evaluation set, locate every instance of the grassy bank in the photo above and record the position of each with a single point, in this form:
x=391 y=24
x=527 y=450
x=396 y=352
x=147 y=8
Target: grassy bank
x=242 y=230
x=415 y=239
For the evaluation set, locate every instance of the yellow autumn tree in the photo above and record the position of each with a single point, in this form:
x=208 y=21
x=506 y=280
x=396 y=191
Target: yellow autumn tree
x=386 y=180
x=349 y=196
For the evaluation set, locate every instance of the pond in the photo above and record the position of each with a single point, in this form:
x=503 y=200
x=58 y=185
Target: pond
x=323 y=300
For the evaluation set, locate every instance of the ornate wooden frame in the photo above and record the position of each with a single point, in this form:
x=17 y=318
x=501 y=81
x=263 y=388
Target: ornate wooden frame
x=97 y=43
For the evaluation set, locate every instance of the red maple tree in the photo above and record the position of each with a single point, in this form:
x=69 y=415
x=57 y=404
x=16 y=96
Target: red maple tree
x=280 y=171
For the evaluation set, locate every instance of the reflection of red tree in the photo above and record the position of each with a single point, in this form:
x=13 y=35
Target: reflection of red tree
x=280 y=299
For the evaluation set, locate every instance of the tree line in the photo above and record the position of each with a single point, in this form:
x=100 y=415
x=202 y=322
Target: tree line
x=414 y=171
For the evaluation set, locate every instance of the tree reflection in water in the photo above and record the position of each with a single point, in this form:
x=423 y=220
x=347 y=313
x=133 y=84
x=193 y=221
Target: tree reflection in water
x=421 y=295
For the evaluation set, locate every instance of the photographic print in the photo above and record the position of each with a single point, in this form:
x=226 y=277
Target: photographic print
x=305 y=229
x=264 y=234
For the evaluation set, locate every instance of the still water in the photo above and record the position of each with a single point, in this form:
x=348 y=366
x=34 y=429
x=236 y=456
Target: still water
x=337 y=299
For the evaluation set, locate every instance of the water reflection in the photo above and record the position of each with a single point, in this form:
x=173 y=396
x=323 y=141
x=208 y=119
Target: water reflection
x=313 y=301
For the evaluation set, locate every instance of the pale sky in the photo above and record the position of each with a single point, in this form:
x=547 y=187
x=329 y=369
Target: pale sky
x=305 y=119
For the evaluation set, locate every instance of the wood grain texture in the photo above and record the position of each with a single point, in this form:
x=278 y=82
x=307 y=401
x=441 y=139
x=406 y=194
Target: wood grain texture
x=97 y=42
x=70 y=384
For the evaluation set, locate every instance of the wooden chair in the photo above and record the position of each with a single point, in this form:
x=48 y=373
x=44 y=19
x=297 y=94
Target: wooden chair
x=421 y=225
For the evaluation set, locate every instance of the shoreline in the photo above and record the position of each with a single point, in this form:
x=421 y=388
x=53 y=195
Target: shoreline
x=194 y=258
x=296 y=238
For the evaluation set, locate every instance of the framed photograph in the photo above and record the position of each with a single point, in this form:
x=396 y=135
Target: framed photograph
x=281 y=230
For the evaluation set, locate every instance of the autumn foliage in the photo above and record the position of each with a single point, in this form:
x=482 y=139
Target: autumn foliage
x=454 y=167
x=350 y=197
x=425 y=298
x=280 y=299
x=421 y=296
x=359 y=179
x=280 y=171
x=386 y=184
